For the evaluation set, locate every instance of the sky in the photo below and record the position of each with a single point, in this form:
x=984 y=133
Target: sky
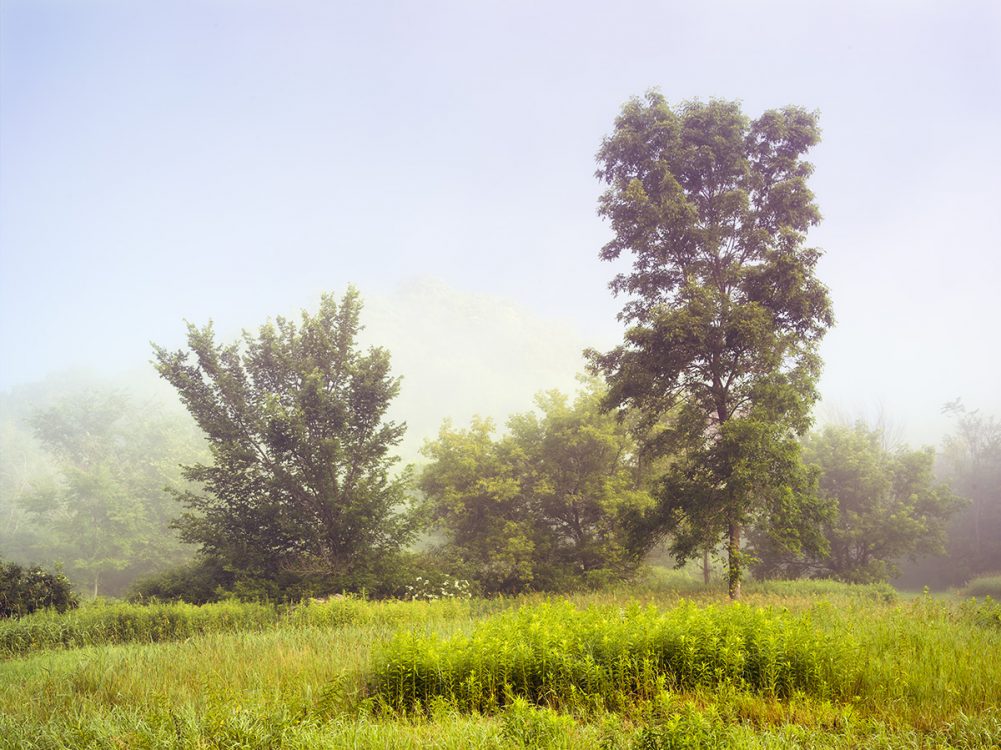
x=224 y=160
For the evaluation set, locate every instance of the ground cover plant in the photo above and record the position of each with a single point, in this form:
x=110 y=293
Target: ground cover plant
x=838 y=667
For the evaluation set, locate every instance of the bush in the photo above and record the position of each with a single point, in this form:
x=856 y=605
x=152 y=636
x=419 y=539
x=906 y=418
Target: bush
x=24 y=590
x=989 y=585
x=197 y=582
x=986 y=613
x=557 y=655
x=208 y=580
x=437 y=587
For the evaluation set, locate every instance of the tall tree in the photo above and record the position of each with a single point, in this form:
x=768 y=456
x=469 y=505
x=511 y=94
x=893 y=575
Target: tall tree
x=724 y=308
x=300 y=481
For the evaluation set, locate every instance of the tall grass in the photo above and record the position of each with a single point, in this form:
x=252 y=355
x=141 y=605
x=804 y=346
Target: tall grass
x=565 y=657
x=128 y=623
x=117 y=623
x=922 y=673
x=823 y=587
x=986 y=614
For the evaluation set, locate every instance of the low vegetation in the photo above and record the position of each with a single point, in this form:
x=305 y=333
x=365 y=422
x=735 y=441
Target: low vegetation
x=984 y=586
x=565 y=657
x=102 y=624
x=804 y=664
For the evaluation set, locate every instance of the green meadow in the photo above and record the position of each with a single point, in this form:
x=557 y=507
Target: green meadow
x=659 y=664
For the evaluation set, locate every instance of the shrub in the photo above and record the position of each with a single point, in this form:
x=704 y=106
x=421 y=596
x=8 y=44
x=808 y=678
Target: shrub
x=989 y=585
x=557 y=655
x=986 y=613
x=197 y=582
x=207 y=580
x=24 y=590
x=440 y=586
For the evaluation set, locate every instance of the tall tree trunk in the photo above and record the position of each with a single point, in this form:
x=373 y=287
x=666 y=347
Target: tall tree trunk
x=705 y=565
x=733 y=553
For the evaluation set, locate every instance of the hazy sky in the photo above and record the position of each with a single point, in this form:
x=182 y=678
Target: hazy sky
x=231 y=160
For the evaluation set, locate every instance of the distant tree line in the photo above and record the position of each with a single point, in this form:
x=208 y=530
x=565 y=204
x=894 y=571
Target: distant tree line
x=694 y=432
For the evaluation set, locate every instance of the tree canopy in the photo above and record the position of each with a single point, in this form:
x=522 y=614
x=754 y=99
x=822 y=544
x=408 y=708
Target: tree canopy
x=724 y=307
x=103 y=511
x=295 y=415
x=887 y=503
x=558 y=501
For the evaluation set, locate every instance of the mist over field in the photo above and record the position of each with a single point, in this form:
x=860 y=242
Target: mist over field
x=161 y=165
x=500 y=374
x=167 y=164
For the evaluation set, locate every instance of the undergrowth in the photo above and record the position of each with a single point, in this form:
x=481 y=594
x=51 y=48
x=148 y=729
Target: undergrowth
x=808 y=664
x=118 y=623
x=989 y=585
x=602 y=658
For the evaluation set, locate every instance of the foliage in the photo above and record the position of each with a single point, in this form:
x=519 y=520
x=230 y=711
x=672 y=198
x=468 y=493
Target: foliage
x=25 y=590
x=109 y=623
x=984 y=586
x=299 y=488
x=25 y=463
x=198 y=581
x=927 y=676
x=526 y=725
x=881 y=592
x=564 y=657
x=104 y=513
x=972 y=460
x=888 y=507
x=553 y=504
x=103 y=623
x=206 y=579
x=438 y=587
x=986 y=613
x=725 y=310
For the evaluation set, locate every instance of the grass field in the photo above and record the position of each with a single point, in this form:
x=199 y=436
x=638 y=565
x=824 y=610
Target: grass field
x=660 y=664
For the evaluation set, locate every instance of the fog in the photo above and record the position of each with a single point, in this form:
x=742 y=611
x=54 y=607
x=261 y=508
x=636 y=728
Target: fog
x=231 y=162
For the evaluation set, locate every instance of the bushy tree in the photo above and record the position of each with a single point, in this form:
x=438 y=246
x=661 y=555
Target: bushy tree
x=24 y=590
x=104 y=511
x=556 y=502
x=888 y=507
x=299 y=486
x=724 y=308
